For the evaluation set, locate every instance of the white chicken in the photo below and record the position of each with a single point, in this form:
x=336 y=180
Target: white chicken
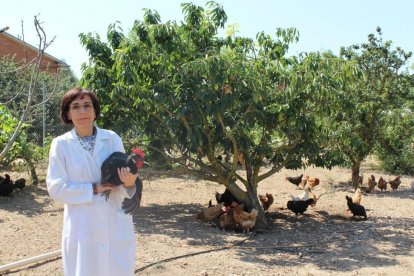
x=304 y=196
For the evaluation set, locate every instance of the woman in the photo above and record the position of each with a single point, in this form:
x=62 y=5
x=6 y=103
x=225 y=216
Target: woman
x=98 y=237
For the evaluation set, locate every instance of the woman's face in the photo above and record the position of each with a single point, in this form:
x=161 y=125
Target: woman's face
x=81 y=112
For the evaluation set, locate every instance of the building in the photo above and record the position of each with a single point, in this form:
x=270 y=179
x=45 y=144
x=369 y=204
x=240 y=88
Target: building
x=23 y=52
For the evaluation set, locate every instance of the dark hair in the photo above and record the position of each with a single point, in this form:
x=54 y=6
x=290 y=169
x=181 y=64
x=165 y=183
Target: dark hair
x=70 y=96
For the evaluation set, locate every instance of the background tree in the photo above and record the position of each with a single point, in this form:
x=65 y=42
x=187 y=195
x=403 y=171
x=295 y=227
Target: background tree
x=21 y=103
x=396 y=153
x=364 y=107
x=200 y=95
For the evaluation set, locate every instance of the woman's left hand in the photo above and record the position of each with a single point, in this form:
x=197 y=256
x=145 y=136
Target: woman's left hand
x=126 y=177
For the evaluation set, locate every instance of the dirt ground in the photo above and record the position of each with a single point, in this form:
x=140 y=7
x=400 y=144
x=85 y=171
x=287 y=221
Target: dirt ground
x=324 y=241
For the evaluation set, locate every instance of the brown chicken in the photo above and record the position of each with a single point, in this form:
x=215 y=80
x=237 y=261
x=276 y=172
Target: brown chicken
x=360 y=180
x=210 y=213
x=382 y=184
x=266 y=200
x=371 y=184
x=312 y=181
x=395 y=183
x=227 y=219
x=244 y=219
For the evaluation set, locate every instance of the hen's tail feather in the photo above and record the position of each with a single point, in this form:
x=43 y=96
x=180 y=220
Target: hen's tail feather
x=131 y=205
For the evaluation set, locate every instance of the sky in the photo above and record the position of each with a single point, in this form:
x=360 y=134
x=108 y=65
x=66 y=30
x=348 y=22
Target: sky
x=322 y=24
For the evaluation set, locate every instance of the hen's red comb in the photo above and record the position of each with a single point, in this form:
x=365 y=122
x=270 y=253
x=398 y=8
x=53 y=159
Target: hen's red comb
x=138 y=152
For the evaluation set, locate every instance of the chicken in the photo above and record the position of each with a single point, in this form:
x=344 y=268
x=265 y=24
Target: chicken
x=312 y=181
x=382 y=184
x=244 y=219
x=356 y=209
x=360 y=180
x=295 y=179
x=266 y=200
x=395 y=183
x=211 y=213
x=356 y=198
x=227 y=219
x=371 y=184
x=6 y=185
x=109 y=174
x=20 y=183
x=300 y=206
x=304 y=196
x=227 y=198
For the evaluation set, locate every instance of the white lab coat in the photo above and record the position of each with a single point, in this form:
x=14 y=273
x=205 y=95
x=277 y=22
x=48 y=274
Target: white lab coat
x=97 y=237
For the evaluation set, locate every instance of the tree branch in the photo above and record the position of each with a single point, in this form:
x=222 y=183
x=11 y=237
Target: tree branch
x=32 y=85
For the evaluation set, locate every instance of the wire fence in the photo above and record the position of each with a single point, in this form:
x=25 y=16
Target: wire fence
x=44 y=124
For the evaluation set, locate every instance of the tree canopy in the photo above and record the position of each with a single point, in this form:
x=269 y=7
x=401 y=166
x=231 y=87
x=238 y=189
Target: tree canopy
x=366 y=107
x=191 y=95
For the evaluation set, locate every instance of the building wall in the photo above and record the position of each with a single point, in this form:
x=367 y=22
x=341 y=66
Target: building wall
x=23 y=53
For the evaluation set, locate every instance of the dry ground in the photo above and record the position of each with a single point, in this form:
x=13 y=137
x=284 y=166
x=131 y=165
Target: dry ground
x=325 y=241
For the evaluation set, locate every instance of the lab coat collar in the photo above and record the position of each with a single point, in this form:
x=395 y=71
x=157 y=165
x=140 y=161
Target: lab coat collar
x=101 y=136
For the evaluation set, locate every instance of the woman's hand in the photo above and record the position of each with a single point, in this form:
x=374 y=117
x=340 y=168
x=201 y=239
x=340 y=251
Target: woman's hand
x=127 y=178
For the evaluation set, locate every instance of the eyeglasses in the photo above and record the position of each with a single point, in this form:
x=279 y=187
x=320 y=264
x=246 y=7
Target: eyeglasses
x=77 y=107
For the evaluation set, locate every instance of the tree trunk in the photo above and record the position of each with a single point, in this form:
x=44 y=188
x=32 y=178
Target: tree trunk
x=355 y=173
x=32 y=173
x=261 y=222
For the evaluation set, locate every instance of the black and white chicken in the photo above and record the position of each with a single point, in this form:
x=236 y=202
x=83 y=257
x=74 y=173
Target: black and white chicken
x=300 y=206
x=109 y=174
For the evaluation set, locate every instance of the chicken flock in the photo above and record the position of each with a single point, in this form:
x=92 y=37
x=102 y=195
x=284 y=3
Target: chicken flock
x=7 y=186
x=230 y=214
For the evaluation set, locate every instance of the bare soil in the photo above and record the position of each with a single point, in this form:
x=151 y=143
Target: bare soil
x=326 y=240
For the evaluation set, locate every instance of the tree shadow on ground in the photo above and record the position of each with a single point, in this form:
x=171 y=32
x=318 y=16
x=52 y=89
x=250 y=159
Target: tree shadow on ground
x=329 y=241
x=26 y=201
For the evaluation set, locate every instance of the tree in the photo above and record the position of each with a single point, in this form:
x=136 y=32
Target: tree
x=201 y=95
x=364 y=107
x=32 y=87
x=21 y=101
x=396 y=152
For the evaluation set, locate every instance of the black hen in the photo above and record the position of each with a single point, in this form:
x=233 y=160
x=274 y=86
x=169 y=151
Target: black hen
x=109 y=174
x=227 y=198
x=6 y=186
x=295 y=179
x=356 y=209
x=300 y=206
x=20 y=183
